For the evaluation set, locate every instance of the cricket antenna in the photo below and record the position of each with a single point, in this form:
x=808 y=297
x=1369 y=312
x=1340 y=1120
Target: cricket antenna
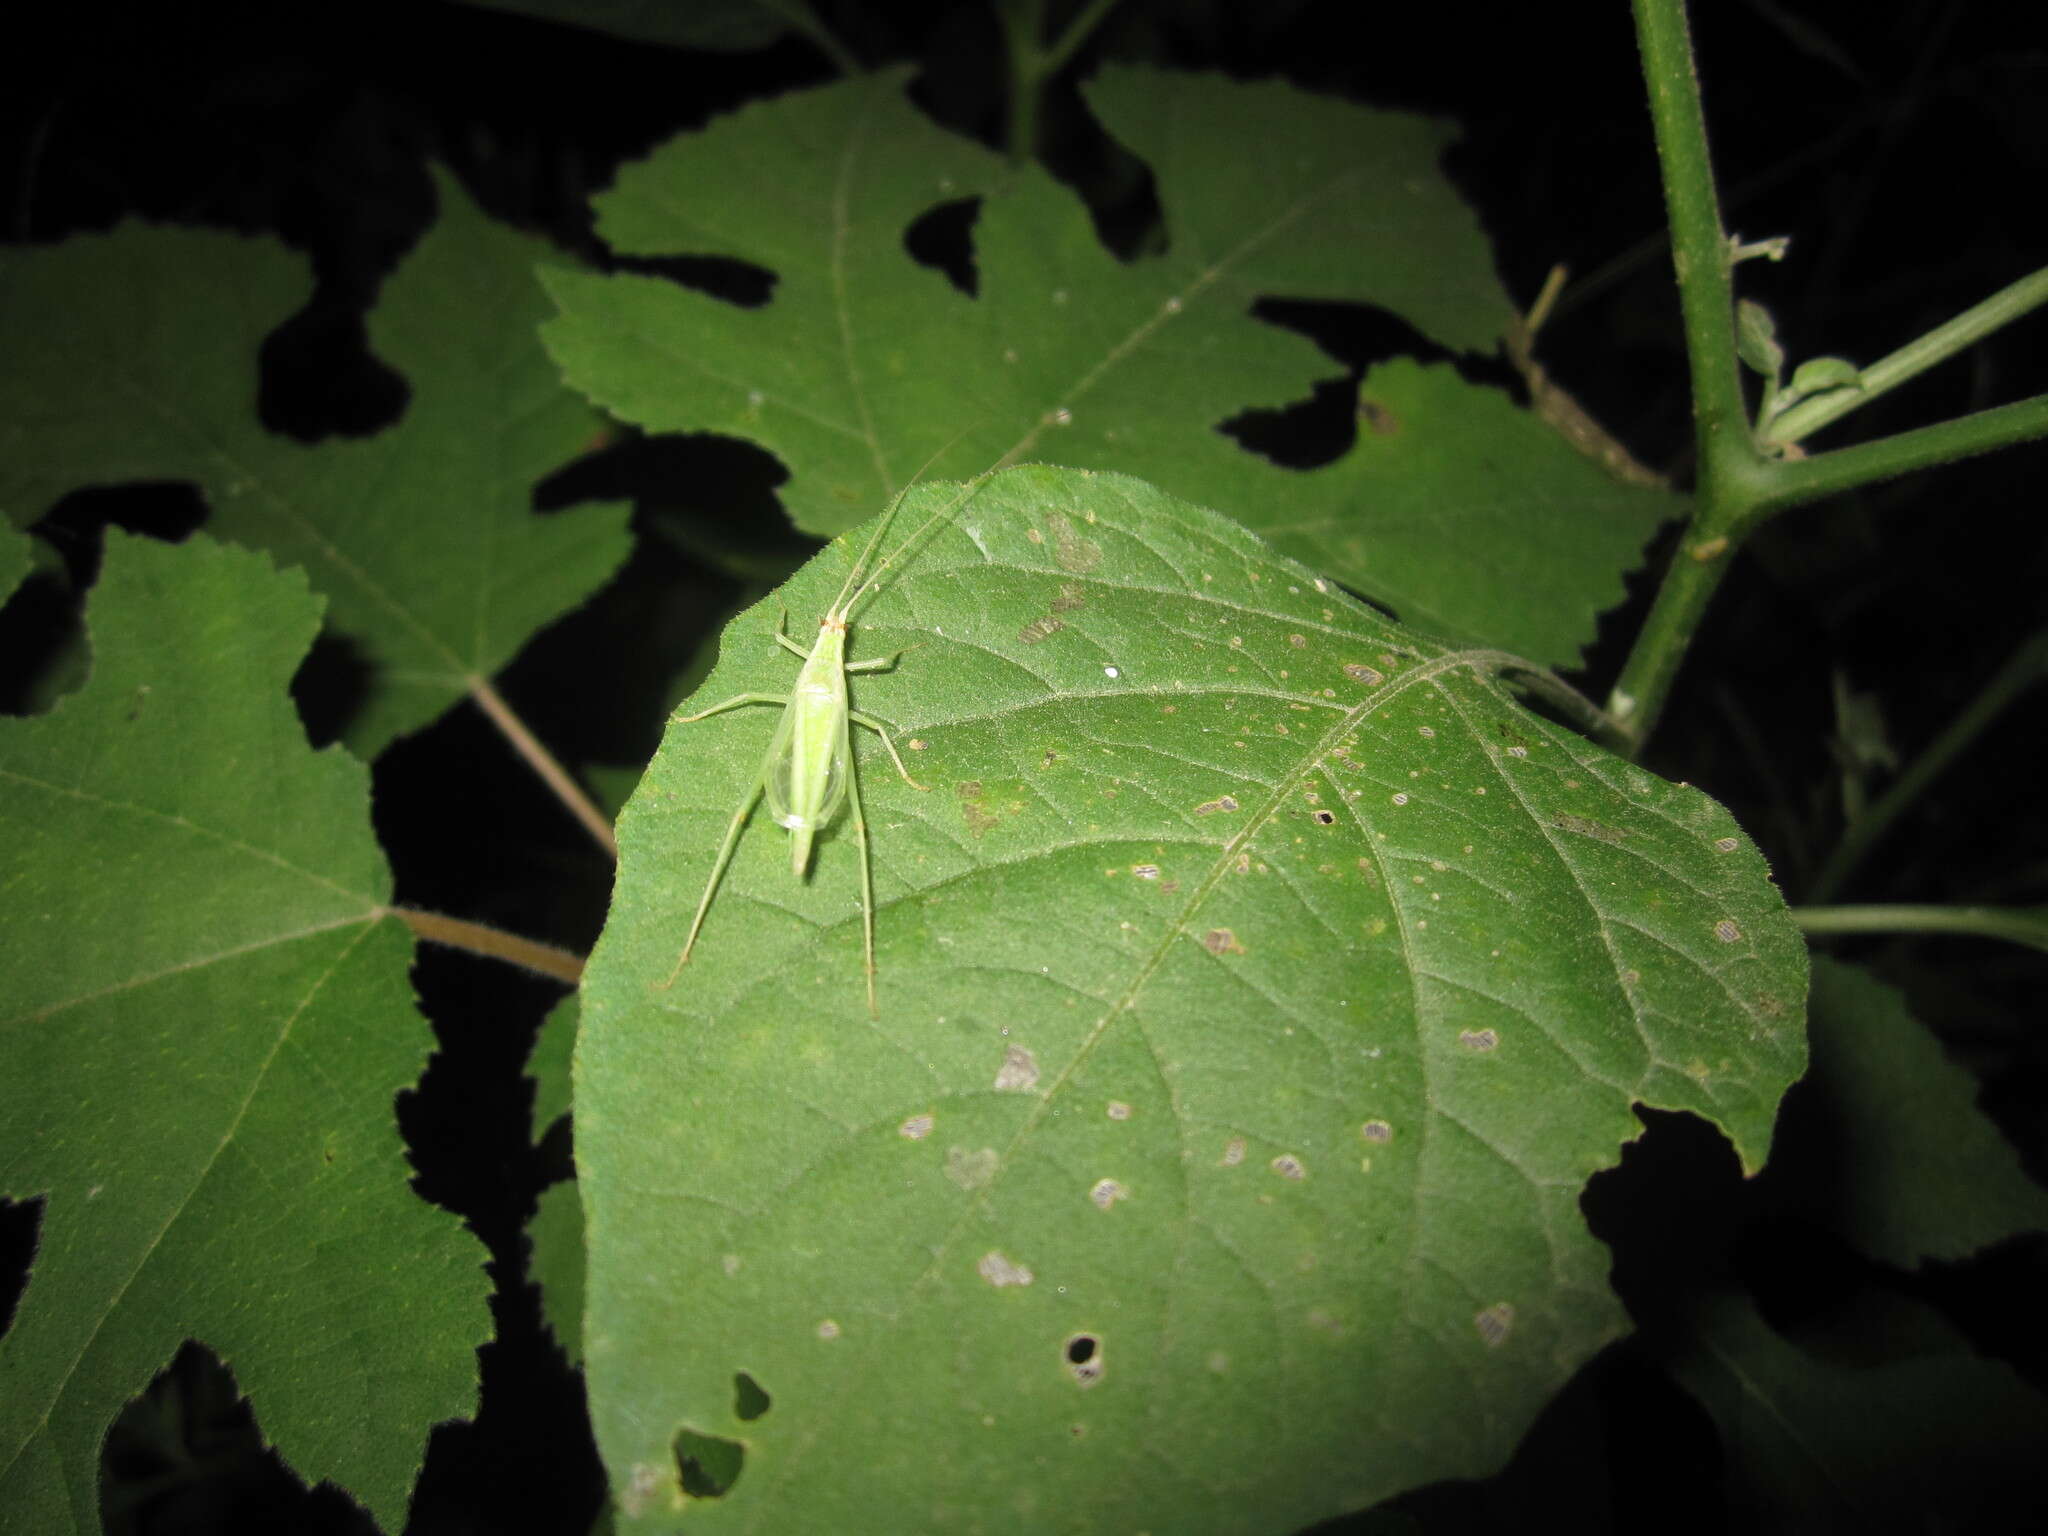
x=843 y=601
x=967 y=491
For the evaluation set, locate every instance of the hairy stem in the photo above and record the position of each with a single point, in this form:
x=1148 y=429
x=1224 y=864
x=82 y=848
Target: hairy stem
x=1739 y=484
x=538 y=758
x=493 y=943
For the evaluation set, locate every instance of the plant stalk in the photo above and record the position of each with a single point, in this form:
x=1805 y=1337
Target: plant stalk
x=541 y=761
x=492 y=943
x=2019 y=925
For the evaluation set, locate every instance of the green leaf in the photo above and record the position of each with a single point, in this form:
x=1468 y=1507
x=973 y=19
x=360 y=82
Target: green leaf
x=1921 y=1173
x=555 y=1264
x=1822 y=373
x=548 y=1065
x=1943 y=1441
x=1477 y=521
x=134 y=357
x=864 y=364
x=1259 y=986
x=1756 y=339
x=207 y=1020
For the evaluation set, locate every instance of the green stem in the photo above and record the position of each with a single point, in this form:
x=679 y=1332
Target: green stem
x=1033 y=61
x=1689 y=585
x=1699 y=247
x=1916 y=357
x=1023 y=23
x=2025 y=667
x=1738 y=485
x=1794 y=482
x=1079 y=30
x=1699 y=254
x=2020 y=925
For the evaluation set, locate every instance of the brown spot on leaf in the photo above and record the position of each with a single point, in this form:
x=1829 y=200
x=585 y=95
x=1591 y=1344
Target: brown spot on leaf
x=1378 y=419
x=1494 y=1323
x=1074 y=551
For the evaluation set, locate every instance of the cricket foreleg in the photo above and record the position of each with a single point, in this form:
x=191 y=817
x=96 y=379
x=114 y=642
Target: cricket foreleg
x=883 y=731
x=732 y=838
x=782 y=636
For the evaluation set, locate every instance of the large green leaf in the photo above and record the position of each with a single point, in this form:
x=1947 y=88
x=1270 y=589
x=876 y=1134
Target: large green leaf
x=207 y=1020
x=1259 y=986
x=133 y=357
x=863 y=364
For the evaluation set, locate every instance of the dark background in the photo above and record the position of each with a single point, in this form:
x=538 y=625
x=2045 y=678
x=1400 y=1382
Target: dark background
x=1903 y=144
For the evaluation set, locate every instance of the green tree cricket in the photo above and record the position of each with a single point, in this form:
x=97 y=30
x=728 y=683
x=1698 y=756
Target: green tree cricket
x=808 y=772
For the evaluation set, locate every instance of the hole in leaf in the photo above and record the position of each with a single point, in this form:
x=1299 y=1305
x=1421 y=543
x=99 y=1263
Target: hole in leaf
x=943 y=239
x=187 y=1452
x=749 y=1399
x=1084 y=1359
x=44 y=643
x=1305 y=435
x=708 y=1465
x=721 y=277
x=317 y=378
x=157 y=509
x=331 y=686
x=20 y=1220
x=1356 y=335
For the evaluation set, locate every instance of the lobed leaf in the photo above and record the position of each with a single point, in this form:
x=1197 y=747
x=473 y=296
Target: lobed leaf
x=864 y=364
x=1259 y=986
x=135 y=359
x=206 y=1021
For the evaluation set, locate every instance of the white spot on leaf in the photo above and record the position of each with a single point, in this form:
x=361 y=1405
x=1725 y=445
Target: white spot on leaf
x=971 y=1170
x=1019 y=1071
x=998 y=1270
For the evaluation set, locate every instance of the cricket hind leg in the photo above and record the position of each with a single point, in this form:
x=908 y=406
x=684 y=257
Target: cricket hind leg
x=780 y=701
x=867 y=888
x=725 y=849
